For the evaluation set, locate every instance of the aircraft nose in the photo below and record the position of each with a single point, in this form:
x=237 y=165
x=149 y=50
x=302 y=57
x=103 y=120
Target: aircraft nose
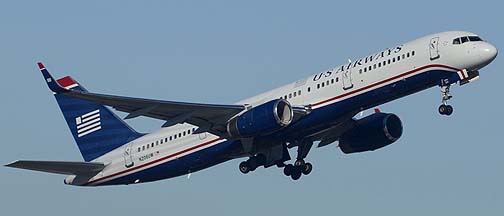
x=487 y=52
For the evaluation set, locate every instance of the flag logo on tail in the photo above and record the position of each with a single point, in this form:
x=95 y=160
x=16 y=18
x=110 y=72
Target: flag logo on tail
x=88 y=123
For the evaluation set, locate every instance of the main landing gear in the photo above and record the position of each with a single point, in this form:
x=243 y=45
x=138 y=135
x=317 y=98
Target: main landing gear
x=295 y=171
x=445 y=109
x=252 y=163
x=300 y=167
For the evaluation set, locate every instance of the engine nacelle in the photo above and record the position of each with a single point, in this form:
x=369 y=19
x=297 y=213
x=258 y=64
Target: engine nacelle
x=372 y=132
x=261 y=120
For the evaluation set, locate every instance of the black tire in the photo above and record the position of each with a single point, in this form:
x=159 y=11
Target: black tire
x=449 y=110
x=296 y=174
x=288 y=169
x=307 y=169
x=299 y=163
x=244 y=167
x=442 y=109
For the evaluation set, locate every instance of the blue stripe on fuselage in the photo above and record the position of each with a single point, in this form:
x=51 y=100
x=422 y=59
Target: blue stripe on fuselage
x=318 y=119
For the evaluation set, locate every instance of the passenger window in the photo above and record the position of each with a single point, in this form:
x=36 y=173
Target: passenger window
x=166 y=140
x=290 y=95
x=295 y=94
x=403 y=56
x=143 y=148
x=365 y=69
x=337 y=79
x=379 y=64
x=369 y=69
x=148 y=145
x=309 y=89
x=299 y=92
x=183 y=134
x=407 y=55
x=161 y=141
x=138 y=149
x=180 y=135
x=327 y=82
x=360 y=70
x=398 y=58
x=393 y=59
x=152 y=145
x=318 y=86
x=332 y=81
x=323 y=84
x=413 y=53
x=388 y=61
x=189 y=131
x=374 y=66
x=157 y=142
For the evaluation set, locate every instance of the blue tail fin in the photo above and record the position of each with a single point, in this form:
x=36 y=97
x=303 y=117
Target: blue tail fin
x=95 y=128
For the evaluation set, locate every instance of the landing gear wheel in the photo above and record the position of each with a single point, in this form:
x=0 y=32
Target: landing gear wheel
x=307 y=168
x=288 y=169
x=442 y=109
x=296 y=174
x=449 y=110
x=244 y=167
x=445 y=109
x=299 y=163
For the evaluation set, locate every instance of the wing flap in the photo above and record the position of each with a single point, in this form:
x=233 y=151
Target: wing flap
x=59 y=167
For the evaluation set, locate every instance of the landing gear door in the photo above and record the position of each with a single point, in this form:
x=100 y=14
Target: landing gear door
x=434 y=48
x=346 y=77
x=128 y=155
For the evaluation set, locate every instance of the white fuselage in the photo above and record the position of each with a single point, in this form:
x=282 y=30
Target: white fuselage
x=399 y=63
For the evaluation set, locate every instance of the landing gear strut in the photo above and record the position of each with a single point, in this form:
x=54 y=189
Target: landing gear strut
x=445 y=109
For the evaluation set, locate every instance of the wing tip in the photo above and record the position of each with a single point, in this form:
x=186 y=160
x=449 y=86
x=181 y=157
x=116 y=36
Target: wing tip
x=12 y=164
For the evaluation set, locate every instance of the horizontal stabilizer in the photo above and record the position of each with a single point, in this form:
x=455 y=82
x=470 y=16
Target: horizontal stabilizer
x=59 y=167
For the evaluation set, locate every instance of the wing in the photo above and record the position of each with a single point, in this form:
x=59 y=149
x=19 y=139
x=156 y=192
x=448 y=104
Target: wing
x=208 y=117
x=59 y=167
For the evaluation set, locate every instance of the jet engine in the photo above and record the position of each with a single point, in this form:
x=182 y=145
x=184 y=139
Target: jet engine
x=261 y=120
x=372 y=132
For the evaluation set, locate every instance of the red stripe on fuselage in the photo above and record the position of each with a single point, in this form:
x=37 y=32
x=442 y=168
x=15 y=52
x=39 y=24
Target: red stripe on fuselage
x=155 y=161
x=315 y=104
x=382 y=82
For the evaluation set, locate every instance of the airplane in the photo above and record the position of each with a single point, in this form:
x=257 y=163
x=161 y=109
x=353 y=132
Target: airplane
x=321 y=109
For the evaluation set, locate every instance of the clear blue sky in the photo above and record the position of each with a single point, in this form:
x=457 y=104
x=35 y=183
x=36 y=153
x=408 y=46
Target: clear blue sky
x=223 y=51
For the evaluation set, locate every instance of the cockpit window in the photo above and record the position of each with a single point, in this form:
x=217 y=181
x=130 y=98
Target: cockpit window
x=465 y=39
x=474 y=38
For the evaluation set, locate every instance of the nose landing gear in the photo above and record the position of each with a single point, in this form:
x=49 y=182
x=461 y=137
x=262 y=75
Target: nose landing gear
x=445 y=109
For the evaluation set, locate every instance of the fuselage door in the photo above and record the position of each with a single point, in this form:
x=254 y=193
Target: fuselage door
x=128 y=155
x=434 y=48
x=346 y=77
